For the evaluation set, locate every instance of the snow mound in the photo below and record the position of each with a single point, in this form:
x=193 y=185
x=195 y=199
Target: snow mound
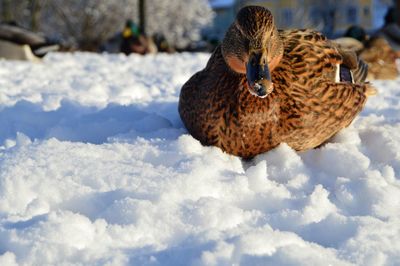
x=96 y=168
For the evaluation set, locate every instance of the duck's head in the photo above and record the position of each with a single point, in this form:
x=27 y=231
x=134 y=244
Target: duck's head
x=252 y=46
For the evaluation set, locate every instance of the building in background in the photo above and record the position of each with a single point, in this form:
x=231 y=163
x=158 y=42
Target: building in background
x=332 y=17
x=225 y=12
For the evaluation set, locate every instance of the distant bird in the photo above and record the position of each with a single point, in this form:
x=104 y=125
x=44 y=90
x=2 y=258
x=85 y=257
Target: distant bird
x=19 y=43
x=381 y=59
x=375 y=51
x=353 y=39
x=262 y=87
x=350 y=44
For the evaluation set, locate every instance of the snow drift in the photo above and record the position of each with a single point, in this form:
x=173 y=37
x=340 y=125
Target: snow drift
x=96 y=168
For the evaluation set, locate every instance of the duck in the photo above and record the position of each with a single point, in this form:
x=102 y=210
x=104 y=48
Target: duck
x=17 y=43
x=350 y=43
x=381 y=59
x=353 y=39
x=262 y=87
x=375 y=51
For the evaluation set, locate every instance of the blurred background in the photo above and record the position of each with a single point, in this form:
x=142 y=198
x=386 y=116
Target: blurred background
x=148 y=26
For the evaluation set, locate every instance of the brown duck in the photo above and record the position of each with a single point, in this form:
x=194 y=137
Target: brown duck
x=262 y=87
x=381 y=59
x=377 y=53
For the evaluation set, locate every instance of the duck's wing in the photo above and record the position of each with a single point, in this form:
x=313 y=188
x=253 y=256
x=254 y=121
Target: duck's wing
x=352 y=69
x=308 y=57
x=312 y=57
x=326 y=85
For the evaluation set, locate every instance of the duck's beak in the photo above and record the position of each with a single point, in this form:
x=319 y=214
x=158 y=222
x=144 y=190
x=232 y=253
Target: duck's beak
x=258 y=75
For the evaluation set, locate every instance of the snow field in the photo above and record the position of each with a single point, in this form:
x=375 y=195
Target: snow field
x=97 y=169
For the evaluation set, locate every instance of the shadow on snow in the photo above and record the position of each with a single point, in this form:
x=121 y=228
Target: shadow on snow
x=73 y=122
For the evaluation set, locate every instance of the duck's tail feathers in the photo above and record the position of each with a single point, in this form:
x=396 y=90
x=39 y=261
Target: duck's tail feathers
x=370 y=90
x=360 y=72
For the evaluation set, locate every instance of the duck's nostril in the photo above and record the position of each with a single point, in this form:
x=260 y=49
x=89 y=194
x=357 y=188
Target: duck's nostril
x=260 y=90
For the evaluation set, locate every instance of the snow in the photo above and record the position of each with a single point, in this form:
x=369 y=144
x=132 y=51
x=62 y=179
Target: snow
x=96 y=168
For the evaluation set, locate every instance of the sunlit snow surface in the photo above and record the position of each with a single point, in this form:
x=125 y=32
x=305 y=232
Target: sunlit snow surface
x=96 y=168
